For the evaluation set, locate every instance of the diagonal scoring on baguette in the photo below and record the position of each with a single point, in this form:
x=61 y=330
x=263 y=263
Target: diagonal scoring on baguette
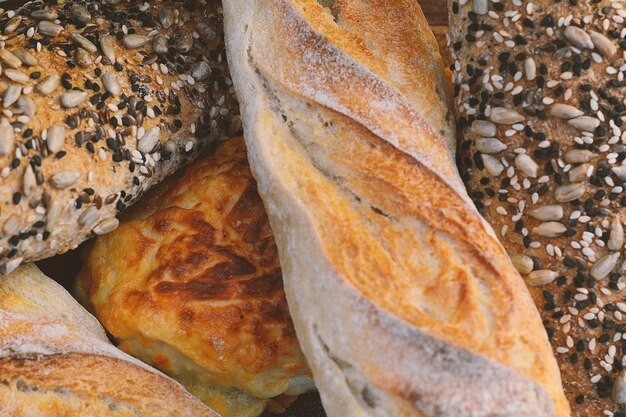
x=403 y=300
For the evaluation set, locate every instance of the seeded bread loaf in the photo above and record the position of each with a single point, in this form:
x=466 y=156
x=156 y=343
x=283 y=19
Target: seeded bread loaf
x=541 y=103
x=190 y=283
x=55 y=360
x=404 y=302
x=101 y=100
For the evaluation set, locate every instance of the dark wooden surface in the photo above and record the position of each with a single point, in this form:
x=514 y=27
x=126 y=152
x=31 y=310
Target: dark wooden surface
x=65 y=267
x=436 y=12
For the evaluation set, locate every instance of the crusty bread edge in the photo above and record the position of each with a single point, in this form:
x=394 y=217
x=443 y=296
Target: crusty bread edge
x=359 y=354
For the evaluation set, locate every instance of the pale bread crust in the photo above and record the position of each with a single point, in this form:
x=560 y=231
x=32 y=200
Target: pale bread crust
x=55 y=360
x=403 y=300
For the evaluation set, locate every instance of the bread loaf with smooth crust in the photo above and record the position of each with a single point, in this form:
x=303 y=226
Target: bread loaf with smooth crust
x=541 y=102
x=101 y=100
x=403 y=300
x=190 y=283
x=55 y=360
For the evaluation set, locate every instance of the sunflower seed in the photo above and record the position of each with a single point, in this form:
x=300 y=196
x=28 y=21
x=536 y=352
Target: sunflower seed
x=620 y=172
x=580 y=173
x=603 y=44
x=44 y=14
x=550 y=229
x=7 y=139
x=26 y=57
x=111 y=83
x=616 y=236
x=585 y=123
x=547 y=213
x=83 y=58
x=80 y=13
x=166 y=17
x=17 y=76
x=10 y=266
x=12 y=24
x=11 y=95
x=504 y=116
x=490 y=145
x=569 y=192
x=73 y=98
x=107 y=44
x=578 y=156
x=618 y=392
x=201 y=71
x=480 y=6
x=85 y=43
x=64 y=179
x=530 y=68
x=523 y=264
x=55 y=138
x=149 y=140
x=578 y=37
x=106 y=226
x=565 y=111
x=134 y=41
x=15 y=40
x=27 y=105
x=604 y=266
x=13 y=225
x=526 y=165
x=51 y=29
x=9 y=59
x=48 y=84
x=29 y=182
x=207 y=30
x=89 y=217
x=492 y=165
x=541 y=277
x=483 y=128
x=160 y=44
x=54 y=212
x=184 y=43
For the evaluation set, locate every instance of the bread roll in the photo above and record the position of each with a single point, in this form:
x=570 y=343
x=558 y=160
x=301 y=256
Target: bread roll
x=403 y=300
x=101 y=101
x=190 y=283
x=540 y=96
x=55 y=360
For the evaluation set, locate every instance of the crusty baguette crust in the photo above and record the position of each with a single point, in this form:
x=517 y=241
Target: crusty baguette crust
x=56 y=361
x=403 y=300
x=68 y=168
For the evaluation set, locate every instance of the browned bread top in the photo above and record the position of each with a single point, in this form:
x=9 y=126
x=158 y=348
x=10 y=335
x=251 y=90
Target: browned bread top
x=541 y=99
x=190 y=283
x=101 y=100
x=393 y=278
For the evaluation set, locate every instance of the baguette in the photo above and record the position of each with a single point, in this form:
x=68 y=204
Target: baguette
x=541 y=104
x=404 y=302
x=55 y=360
x=101 y=101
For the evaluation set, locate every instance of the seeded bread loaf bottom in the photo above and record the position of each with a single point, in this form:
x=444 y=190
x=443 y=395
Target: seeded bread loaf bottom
x=101 y=100
x=540 y=97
